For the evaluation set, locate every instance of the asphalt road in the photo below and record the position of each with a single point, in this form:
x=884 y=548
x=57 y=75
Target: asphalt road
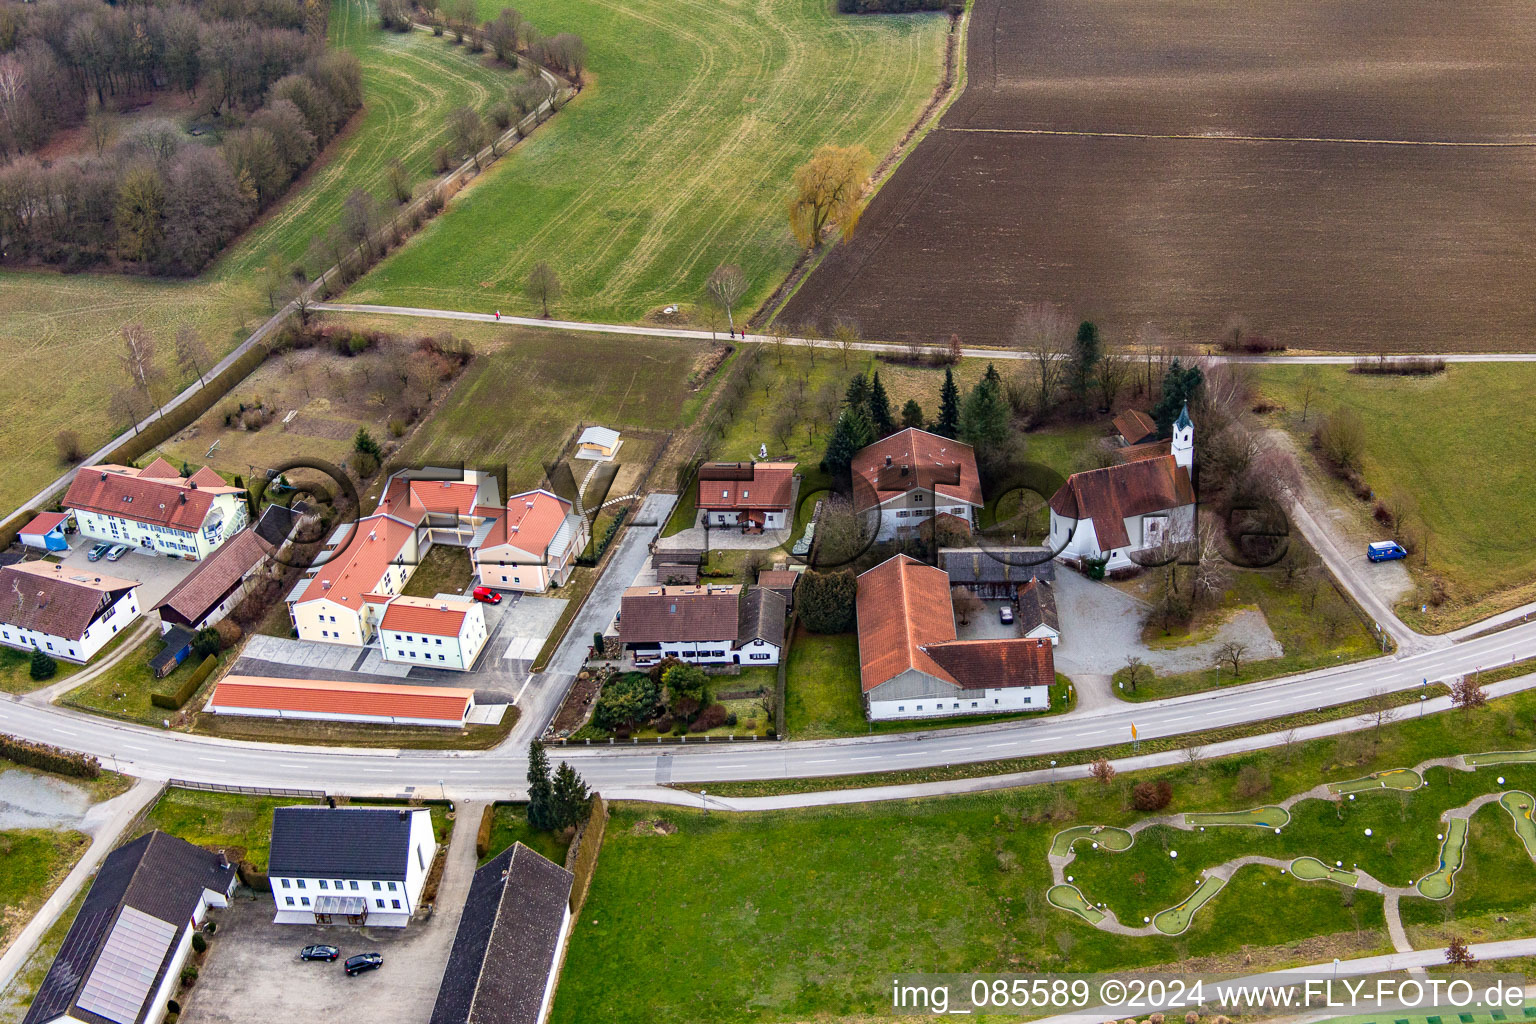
x=152 y=753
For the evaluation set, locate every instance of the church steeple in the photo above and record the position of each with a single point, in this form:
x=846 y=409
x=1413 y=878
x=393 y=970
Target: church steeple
x=1184 y=439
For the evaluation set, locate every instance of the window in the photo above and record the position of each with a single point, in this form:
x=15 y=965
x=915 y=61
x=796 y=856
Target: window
x=337 y=883
x=323 y=884
x=413 y=654
x=442 y=657
x=352 y=886
x=758 y=657
x=957 y=704
x=1028 y=700
x=380 y=903
x=304 y=900
x=325 y=632
x=996 y=701
x=301 y=883
x=333 y=618
x=392 y=887
x=290 y=901
x=397 y=636
x=377 y=887
x=439 y=641
x=902 y=708
x=285 y=884
x=973 y=703
x=919 y=707
x=421 y=859
x=902 y=514
x=396 y=904
x=399 y=654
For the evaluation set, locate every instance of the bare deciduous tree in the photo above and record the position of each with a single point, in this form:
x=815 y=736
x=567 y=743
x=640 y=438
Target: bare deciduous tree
x=68 y=444
x=1467 y=693
x=846 y=335
x=1044 y=334
x=724 y=288
x=1102 y=770
x=1136 y=672
x=543 y=286
x=1308 y=380
x=1232 y=652
x=191 y=353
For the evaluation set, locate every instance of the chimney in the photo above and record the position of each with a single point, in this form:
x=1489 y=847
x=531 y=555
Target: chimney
x=330 y=802
x=887 y=462
x=193 y=483
x=402 y=814
x=42 y=599
x=223 y=859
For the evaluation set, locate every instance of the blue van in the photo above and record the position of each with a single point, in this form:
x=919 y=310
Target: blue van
x=1384 y=551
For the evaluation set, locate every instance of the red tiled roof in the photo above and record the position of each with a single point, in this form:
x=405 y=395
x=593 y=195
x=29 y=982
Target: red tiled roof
x=982 y=664
x=530 y=523
x=918 y=459
x=215 y=576
x=778 y=579
x=43 y=523
x=161 y=469
x=903 y=606
x=444 y=496
x=382 y=699
x=206 y=477
x=1109 y=496
x=679 y=614
x=426 y=615
x=127 y=492
x=1138 y=452
x=356 y=567
x=746 y=485
x=1135 y=426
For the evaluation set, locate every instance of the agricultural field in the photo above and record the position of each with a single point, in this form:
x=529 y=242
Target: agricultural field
x=1465 y=468
x=832 y=898
x=410 y=83
x=1175 y=164
x=676 y=157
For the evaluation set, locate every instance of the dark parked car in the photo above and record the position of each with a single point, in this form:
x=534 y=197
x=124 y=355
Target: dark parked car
x=326 y=953
x=96 y=552
x=363 y=962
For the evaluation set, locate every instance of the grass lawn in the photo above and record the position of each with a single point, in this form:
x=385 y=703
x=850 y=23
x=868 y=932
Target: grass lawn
x=445 y=570
x=410 y=84
x=677 y=156
x=218 y=820
x=16 y=667
x=509 y=824
x=16 y=998
x=823 y=698
x=123 y=691
x=1457 y=445
x=529 y=389
x=1312 y=636
x=832 y=899
x=33 y=862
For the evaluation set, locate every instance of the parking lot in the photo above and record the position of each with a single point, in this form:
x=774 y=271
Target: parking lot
x=156 y=574
x=253 y=974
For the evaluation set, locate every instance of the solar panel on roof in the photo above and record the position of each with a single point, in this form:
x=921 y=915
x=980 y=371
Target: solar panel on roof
x=125 y=971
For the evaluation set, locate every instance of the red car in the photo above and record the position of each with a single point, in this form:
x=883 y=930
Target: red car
x=487 y=595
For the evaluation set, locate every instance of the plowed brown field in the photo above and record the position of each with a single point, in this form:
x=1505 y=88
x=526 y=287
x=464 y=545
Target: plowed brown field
x=1346 y=174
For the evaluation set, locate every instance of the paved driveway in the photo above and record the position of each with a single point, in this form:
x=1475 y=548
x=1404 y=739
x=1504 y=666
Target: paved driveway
x=253 y=974
x=156 y=574
x=1101 y=627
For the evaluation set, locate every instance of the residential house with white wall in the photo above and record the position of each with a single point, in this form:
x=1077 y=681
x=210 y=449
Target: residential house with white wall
x=910 y=478
x=433 y=632
x=220 y=582
x=67 y=613
x=121 y=961
x=704 y=625
x=754 y=496
x=350 y=865
x=155 y=509
x=530 y=545
x=366 y=565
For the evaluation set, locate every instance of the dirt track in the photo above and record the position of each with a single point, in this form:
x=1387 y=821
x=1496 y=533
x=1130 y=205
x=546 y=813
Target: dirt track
x=1416 y=235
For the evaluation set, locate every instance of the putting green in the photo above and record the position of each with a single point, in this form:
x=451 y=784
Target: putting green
x=1501 y=757
x=1175 y=919
x=1405 y=779
x=1310 y=869
x=1263 y=817
x=1437 y=884
x=1520 y=805
x=1116 y=840
x=1067 y=897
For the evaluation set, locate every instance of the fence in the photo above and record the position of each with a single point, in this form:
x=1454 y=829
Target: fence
x=783 y=674
x=215 y=787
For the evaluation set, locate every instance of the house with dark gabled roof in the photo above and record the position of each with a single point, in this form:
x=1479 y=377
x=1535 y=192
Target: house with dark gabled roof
x=121 y=961
x=350 y=865
x=211 y=591
x=1118 y=512
x=755 y=496
x=912 y=664
x=703 y=625
x=511 y=941
x=68 y=613
x=1037 y=617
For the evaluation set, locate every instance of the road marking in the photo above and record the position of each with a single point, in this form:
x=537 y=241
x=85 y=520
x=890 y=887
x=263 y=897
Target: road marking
x=220 y=760
x=867 y=757
x=953 y=750
x=131 y=746
x=1181 y=718
x=730 y=766
x=991 y=745
x=377 y=771
x=1267 y=703
x=463 y=771
x=826 y=761
x=281 y=765
x=650 y=769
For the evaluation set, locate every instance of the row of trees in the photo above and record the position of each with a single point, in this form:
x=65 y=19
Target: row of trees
x=557 y=802
x=165 y=202
x=61 y=58
x=507 y=35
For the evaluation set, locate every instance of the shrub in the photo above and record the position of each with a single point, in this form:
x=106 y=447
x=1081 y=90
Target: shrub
x=483 y=836
x=1252 y=781
x=188 y=975
x=43 y=667
x=1152 y=796
x=48 y=758
x=199 y=943
x=731 y=719
x=824 y=601
x=662 y=724
x=442 y=160
x=183 y=693
x=679 y=728
x=1340 y=438
x=630 y=697
x=206 y=642
x=396 y=427
x=229 y=633
x=711 y=717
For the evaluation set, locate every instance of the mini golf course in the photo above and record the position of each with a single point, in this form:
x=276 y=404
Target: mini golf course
x=1453 y=828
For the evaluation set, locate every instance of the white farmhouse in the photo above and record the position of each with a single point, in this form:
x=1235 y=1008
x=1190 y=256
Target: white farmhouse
x=703 y=625
x=913 y=477
x=350 y=865
x=155 y=509
x=66 y=613
x=1117 y=512
x=434 y=632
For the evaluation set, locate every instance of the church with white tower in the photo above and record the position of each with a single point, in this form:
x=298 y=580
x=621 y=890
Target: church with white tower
x=1138 y=505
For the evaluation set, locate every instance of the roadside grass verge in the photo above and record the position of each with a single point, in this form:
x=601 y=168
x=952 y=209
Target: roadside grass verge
x=1313 y=634
x=33 y=861
x=1463 y=468
x=344 y=734
x=509 y=824
x=16 y=667
x=676 y=157
x=17 y=997
x=215 y=820
x=1192 y=742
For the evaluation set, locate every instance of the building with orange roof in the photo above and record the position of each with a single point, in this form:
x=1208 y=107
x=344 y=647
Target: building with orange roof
x=434 y=632
x=530 y=545
x=155 y=509
x=363 y=567
x=912 y=476
x=375 y=703
x=912 y=664
x=753 y=495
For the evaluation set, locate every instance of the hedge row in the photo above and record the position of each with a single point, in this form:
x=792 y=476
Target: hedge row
x=601 y=545
x=47 y=758
x=184 y=692
x=483 y=837
x=581 y=859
